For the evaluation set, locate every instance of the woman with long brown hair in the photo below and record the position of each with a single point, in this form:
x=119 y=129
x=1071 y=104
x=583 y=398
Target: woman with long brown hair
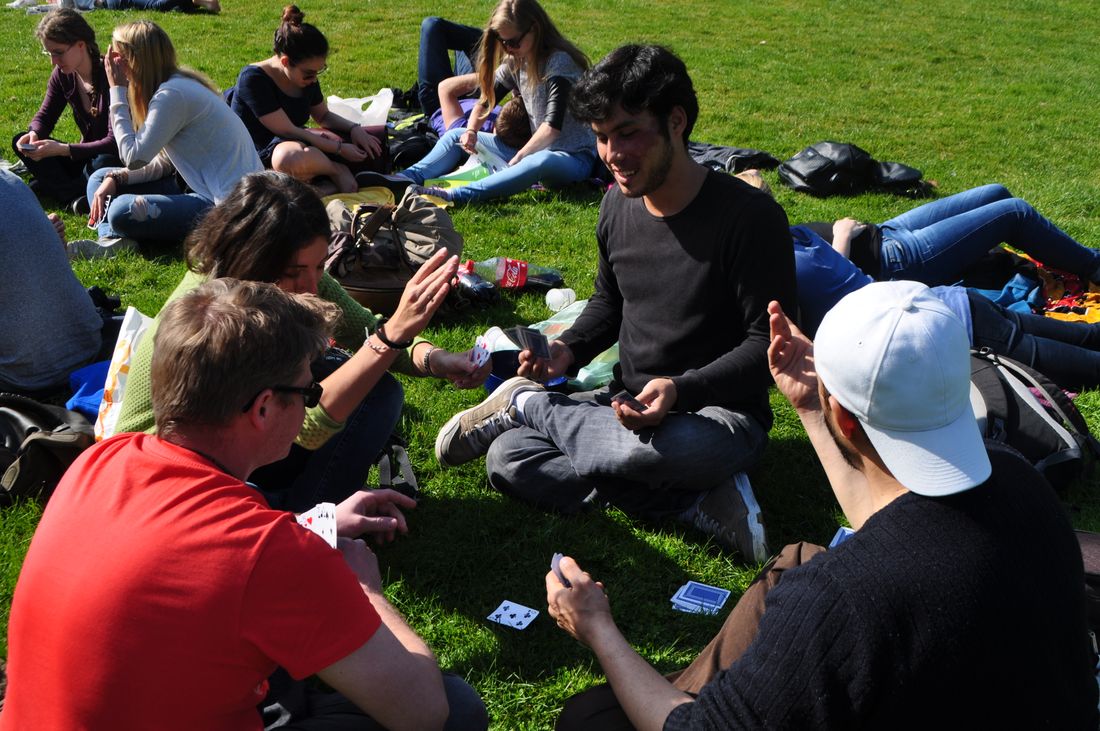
x=61 y=169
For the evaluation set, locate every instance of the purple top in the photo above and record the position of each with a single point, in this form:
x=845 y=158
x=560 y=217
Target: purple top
x=95 y=130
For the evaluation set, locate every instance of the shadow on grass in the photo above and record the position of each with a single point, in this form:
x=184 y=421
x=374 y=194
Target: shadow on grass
x=465 y=555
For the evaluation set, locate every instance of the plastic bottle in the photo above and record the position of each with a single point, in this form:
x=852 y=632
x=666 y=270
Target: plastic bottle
x=473 y=288
x=517 y=274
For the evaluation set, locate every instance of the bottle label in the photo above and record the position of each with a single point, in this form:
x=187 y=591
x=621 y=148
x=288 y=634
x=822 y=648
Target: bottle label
x=514 y=275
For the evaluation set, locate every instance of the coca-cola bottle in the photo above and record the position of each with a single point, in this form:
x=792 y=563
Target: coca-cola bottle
x=517 y=274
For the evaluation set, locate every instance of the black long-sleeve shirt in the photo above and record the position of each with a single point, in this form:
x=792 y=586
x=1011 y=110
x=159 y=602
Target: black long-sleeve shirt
x=686 y=295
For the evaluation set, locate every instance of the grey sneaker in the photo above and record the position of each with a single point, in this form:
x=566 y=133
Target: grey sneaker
x=102 y=249
x=730 y=514
x=468 y=434
x=441 y=193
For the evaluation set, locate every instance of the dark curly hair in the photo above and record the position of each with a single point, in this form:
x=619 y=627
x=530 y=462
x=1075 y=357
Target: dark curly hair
x=638 y=79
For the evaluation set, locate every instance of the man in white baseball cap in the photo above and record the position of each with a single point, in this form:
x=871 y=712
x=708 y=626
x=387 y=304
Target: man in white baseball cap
x=959 y=597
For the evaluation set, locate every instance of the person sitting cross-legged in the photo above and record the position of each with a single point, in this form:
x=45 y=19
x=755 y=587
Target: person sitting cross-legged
x=692 y=338
x=916 y=617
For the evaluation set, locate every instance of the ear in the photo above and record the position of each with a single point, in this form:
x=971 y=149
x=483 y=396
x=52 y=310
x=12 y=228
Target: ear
x=284 y=60
x=259 y=413
x=677 y=122
x=845 y=421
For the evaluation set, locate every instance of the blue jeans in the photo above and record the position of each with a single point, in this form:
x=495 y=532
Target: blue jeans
x=1066 y=352
x=551 y=167
x=162 y=213
x=438 y=37
x=935 y=242
x=341 y=466
x=573 y=445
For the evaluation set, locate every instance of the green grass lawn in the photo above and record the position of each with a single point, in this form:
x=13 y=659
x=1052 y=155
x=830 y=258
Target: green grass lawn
x=970 y=93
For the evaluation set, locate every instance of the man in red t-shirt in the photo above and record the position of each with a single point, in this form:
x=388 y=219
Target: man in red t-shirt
x=161 y=591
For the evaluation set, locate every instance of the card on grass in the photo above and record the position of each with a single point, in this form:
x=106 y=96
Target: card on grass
x=321 y=519
x=697 y=598
x=512 y=614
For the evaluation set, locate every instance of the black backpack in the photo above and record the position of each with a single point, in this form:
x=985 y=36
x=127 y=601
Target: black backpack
x=841 y=168
x=38 y=442
x=1048 y=431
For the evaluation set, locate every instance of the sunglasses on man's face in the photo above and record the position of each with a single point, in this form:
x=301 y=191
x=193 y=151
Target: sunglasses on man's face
x=311 y=394
x=514 y=43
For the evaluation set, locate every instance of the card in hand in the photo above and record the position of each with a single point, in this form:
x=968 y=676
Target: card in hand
x=698 y=598
x=530 y=339
x=555 y=566
x=624 y=397
x=321 y=519
x=513 y=615
x=481 y=351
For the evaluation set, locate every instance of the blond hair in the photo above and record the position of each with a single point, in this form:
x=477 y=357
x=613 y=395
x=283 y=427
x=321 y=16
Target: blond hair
x=526 y=16
x=149 y=52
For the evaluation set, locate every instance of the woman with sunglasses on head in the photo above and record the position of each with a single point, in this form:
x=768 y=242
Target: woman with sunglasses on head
x=273 y=228
x=276 y=97
x=523 y=53
x=166 y=119
x=78 y=81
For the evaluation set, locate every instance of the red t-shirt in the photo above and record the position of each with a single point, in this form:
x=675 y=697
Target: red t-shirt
x=160 y=592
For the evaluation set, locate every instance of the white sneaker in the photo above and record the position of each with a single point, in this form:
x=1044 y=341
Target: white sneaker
x=102 y=249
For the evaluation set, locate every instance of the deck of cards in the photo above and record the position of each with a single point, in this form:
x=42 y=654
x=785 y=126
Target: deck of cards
x=696 y=598
x=528 y=338
x=321 y=519
x=513 y=615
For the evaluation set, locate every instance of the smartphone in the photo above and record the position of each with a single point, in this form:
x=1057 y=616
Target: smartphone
x=624 y=397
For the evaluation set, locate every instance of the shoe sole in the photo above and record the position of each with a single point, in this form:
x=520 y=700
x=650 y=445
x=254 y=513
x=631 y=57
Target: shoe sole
x=752 y=520
x=448 y=430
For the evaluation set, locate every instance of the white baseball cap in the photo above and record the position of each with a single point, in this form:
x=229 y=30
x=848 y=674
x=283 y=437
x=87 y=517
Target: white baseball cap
x=898 y=359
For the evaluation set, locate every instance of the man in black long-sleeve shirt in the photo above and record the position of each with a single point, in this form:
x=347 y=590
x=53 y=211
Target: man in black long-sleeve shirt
x=688 y=261
x=959 y=600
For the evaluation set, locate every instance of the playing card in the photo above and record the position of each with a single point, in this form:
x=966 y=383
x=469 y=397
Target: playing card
x=555 y=560
x=529 y=339
x=513 y=615
x=481 y=351
x=696 y=597
x=321 y=519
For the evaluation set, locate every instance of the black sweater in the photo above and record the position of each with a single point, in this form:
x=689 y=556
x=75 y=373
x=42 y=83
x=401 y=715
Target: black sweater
x=686 y=296
x=957 y=612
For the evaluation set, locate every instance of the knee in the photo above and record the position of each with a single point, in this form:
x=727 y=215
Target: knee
x=999 y=191
x=294 y=159
x=467 y=710
x=430 y=26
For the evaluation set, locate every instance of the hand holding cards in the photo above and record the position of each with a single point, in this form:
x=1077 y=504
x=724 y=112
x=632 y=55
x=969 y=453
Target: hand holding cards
x=625 y=399
x=321 y=519
x=531 y=340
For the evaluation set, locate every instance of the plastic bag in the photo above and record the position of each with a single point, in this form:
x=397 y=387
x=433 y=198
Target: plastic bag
x=132 y=331
x=600 y=369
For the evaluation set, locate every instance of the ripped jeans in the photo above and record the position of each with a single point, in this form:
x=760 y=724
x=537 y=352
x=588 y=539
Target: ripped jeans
x=154 y=211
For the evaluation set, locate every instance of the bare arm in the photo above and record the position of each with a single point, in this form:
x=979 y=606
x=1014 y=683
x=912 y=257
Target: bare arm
x=450 y=91
x=393 y=677
x=543 y=137
x=583 y=611
x=345 y=389
x=844 y=231
x=791 y=360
